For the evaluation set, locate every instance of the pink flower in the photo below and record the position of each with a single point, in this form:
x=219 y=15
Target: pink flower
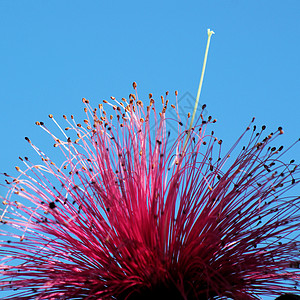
x=122 y=218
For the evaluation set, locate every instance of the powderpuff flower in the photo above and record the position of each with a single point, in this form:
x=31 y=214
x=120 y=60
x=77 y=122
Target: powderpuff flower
x=123 y=218
x=130 y=214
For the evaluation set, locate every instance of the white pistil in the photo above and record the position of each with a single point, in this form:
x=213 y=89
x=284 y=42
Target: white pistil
x=209 y=33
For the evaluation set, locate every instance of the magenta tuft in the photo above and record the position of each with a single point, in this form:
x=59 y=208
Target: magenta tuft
x=137 y=212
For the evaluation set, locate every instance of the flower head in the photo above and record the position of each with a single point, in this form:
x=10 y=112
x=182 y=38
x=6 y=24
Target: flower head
x=123 y=218
x=130 y=214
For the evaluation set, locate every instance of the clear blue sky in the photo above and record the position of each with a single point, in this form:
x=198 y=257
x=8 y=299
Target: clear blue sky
x=53 y=53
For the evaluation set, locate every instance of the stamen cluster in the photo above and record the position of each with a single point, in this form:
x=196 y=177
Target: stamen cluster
x=136 y=211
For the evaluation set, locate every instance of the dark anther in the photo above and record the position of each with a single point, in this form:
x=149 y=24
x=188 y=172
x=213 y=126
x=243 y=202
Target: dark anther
x=52 y=205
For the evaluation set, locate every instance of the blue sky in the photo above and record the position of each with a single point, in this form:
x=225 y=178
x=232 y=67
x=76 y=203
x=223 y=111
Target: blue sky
x=53 y=53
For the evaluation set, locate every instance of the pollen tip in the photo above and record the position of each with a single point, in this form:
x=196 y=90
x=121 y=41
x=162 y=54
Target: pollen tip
x=280 y=130
x=134 y=85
